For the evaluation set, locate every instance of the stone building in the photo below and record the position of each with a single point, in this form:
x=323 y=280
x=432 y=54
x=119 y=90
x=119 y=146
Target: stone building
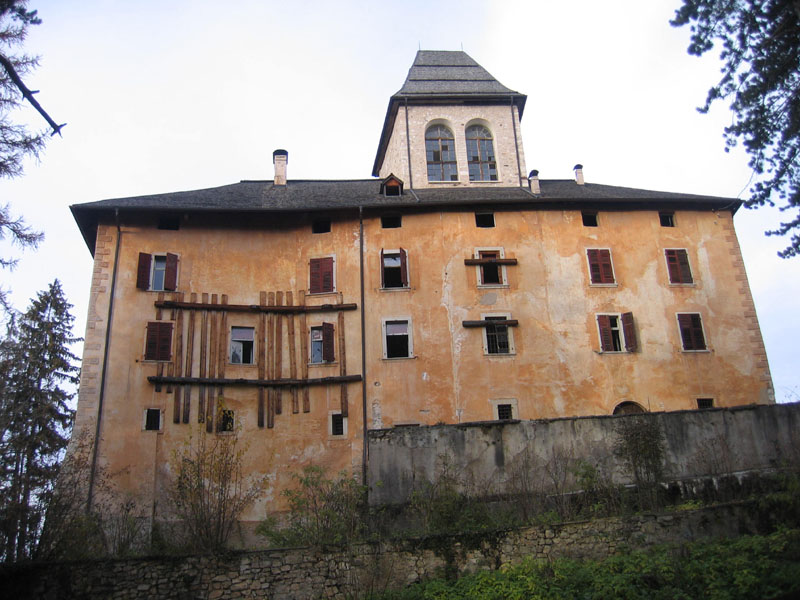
x=452 y=287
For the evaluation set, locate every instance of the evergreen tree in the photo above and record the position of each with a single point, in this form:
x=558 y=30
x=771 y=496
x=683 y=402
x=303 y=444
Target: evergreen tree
x=39 y=374
x=760 y=78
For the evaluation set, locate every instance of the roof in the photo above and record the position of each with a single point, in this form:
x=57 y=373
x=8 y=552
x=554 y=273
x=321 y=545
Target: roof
x=337 y=195
x=438 y=76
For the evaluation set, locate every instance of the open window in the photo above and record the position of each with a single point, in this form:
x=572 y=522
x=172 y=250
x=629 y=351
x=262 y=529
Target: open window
x=322 y=347
x=617 y=332
x=666 y=218
x=491 y=271
x=242 y=345
x=484 y=220
x=337 y=425
x=321 y=276
x=151 y=419
x=589 y=218
x=693 y=337
x=601 y=270
x=394 y=269
x=391 y=221
x=226 y=422
x=397 y=341
x=158 y=341
x=157 y=272
x=678 y=266
x=321 y=226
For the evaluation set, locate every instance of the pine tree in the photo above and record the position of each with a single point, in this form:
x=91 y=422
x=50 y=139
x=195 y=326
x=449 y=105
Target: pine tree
x=39 y=374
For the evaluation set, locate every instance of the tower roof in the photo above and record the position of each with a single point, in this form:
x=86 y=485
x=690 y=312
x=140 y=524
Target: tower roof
x=445 y=77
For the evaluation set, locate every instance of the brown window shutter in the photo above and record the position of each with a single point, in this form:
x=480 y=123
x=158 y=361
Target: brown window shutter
x=151 y=342
x=606 y=341
x=158 y=343
x=630 y=332
x=697 y=332
x=607 y=271
x=691 y=326
x=683 y=263
x=383 y=266
x=595 y=274
x=143 y=271
x=315 y=279
x=327 y=342
x=165 y=341
x=326 y=274
x=171 y=273
x=685 y=325
x=403 y=267
x=672 y=266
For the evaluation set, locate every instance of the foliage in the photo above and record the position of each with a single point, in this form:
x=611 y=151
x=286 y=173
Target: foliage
x=639 y=445
x=321 y=510
x=760 y=77
x=37 y=378
x=747 y=567
x=209 y=490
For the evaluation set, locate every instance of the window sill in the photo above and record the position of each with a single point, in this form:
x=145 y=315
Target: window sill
x=603 y=285
x=682 y=285
x=329 y=293
x=613 y=352
x=499 y=355
x=395 y=289
x=486 y=181
x=323 y=364
x=705 y=351
x=232 y=364
x=444 y=182
x=492 y=286
x=386 y=358
x=150 y=361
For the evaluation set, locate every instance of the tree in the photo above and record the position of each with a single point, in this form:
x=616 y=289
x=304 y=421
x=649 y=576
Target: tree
x=38 y=373
x=760 y=78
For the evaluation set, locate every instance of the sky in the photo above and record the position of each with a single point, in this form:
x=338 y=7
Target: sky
x=163 y=96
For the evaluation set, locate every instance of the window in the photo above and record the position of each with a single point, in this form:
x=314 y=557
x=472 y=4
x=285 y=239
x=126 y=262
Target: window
x=321 y=275
x=480 y=154
x=491 y=273
x=171 y=223
x=440 y=152
x=504 y=412
x=691 y=329
x=322 y=344
x=242 y=342
x=678 y=266
x=484 y=219
x=152 y=419
x=704 y=403
x=391 y=221
x=321 y=226
x=158 y=342
x=497 y=337
x=158 y=272
x=397 y=341
x=226 y=421
x=601 y=271
x=338 y=425
x=504 y=409
x=394 y=269
x=667 y=219
x=589 y=218
x=617 y=332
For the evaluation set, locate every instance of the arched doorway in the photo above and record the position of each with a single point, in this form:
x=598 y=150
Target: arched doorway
x=628 y=408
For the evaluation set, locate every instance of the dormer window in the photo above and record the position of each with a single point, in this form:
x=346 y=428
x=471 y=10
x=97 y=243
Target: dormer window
x=440 y=152
x=480 y=154
x=392 y=186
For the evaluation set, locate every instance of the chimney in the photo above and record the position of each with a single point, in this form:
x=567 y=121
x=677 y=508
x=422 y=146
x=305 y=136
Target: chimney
x=578 y=173
x=533 y=182
x=279 y=159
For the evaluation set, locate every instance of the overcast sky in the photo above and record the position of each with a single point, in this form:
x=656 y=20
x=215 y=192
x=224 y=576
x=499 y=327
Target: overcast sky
x=163 y=96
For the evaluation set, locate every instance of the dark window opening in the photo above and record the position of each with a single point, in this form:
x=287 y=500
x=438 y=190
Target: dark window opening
x=704 y=403
x=497 y=337
x=628 y=408
x=321 y=226
x=484 y=219
x=667 y=219
x=169 y=223
x=242 y=342
x=504 y=412
x=397 y=342
x=337 y=424
x=152 y=419
x=226 y=420
x=392 y=189
x=490 y=274
x=394 y=269
x=589 y=219
x=391 y=221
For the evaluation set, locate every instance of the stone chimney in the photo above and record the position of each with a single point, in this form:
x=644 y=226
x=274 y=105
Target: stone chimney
x=533 y=182
x=280 y=158
x=578 y=173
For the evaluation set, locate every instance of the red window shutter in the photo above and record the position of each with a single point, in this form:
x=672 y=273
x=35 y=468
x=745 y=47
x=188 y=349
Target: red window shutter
x=326 y=274
x=143 y=271
x=151 y=342
x=683 y=264
x=606 y=269
x=327 y=342
x=158 y=343
x=315 y=279
x=383 y=266
x=691 y=326
x=171 y=273
x=403 y=267
x=595 y=274
x=672 y=267
x=629 y=331
x=606 y=340
x=165 y=341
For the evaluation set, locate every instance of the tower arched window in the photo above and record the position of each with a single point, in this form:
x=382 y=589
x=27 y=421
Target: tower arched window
x=480 y=154
x=440 y=152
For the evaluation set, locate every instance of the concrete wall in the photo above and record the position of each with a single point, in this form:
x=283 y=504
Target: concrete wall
x=488 y=456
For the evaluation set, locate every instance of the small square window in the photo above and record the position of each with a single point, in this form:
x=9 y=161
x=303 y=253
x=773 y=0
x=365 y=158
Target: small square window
x=397 y=339
x=226 y=421
x=171 y=223
x=704 y=403
x=338 y=424
x=589 y=218
x=152 y=419
x=504 y=409
x=667 y=219
x=504 y=412
x=321 y=226
x=242 y=342
x=391 y=221
x=485 y=219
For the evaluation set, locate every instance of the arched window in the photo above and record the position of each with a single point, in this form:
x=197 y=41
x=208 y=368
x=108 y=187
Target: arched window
x=628 y=408
x=440 y=151
x=480 y=154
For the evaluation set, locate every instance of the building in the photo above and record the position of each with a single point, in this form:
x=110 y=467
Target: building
x=452 y=287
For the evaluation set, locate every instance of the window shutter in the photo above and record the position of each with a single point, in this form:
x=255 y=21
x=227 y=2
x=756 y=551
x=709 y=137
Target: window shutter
x=327 y=342
x=594 y=267
x=606 y=341
x=607 y=271
x=691 y=326
x=630 y=332
x=315 y=280
x=171 y=273
x=383 y=266
x=151 y=342
x=683 y=263
x=403 y=267
x=685 y=325
x=326 y=274
x=158 y=343
x=143 y=271
x=672 y=267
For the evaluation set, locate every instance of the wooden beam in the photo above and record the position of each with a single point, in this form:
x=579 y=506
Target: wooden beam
x=507 y=322
x=490 y=261
x=254 y=382
x=309 y=308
